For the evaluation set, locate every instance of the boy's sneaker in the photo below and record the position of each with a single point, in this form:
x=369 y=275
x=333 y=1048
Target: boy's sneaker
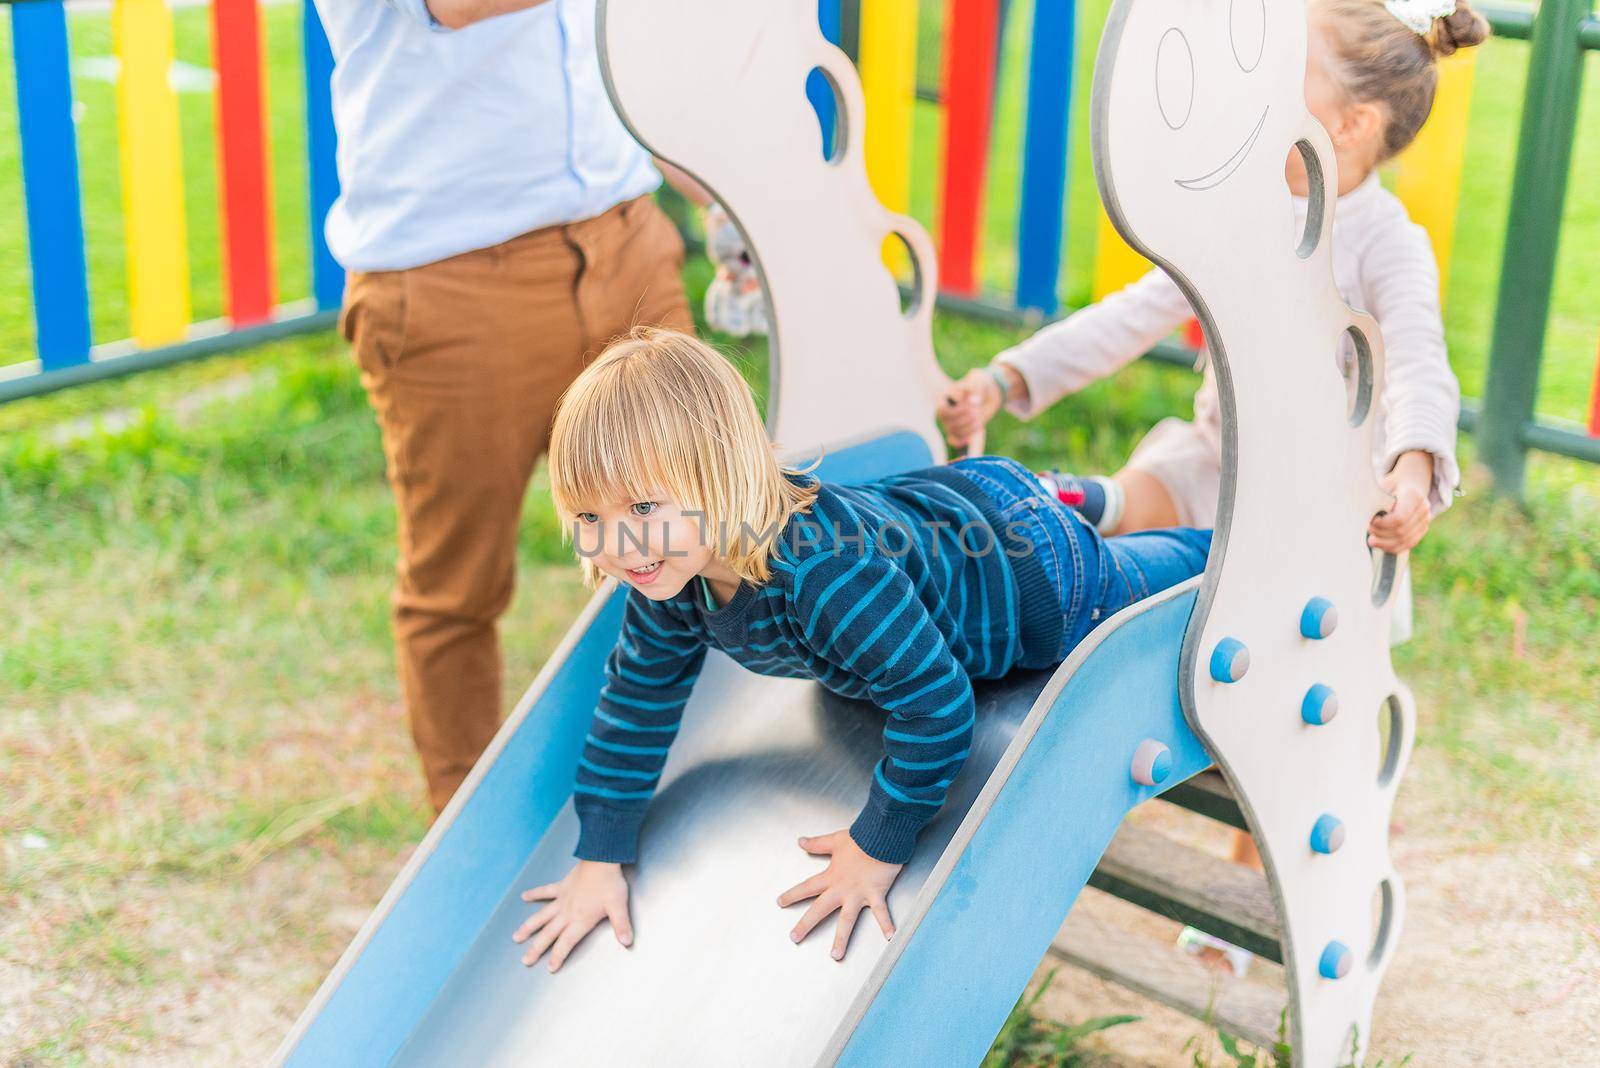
x=1097 y=499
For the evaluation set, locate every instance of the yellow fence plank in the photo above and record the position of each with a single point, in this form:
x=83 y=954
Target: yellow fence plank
x=1115 y=264
x=889 y=83
x=152 y=172
x=1428 y=178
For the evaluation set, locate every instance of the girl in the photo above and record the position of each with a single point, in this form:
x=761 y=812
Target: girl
x=899 y=591
x=1371 y=71
x=1370 y=77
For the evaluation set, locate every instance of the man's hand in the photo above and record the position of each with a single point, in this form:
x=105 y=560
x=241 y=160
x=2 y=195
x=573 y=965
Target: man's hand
x=851 y=882
x=684 y=183
x=1402 y=526
x=591 y=892
x=458 y=14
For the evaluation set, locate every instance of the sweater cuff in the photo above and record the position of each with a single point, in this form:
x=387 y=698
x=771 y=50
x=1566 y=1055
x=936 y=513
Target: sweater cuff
x=608 y=835
x=1017 y=406
x=1446 y=473
x=887 y=836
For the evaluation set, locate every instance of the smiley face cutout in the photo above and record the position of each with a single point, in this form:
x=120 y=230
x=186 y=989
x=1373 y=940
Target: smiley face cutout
x=1197 y=103
x=1176 y=82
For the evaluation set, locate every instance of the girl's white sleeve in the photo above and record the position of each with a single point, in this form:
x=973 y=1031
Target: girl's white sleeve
x=1095 y=341
x=1421 y=397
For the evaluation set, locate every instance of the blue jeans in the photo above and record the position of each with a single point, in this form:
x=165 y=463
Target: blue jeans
x=1094 y=576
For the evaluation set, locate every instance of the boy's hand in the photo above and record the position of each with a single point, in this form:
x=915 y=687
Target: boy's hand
x=1402 y=526
x=852 y=881
x=591 y=892
x=967 y=406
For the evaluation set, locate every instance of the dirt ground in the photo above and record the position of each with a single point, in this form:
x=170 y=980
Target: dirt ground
x=1496 y=964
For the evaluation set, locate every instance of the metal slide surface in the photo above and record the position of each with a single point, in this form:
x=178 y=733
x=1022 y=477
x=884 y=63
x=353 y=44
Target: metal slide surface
x=712 y=977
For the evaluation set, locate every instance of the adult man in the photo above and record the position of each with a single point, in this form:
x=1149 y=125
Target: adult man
x=496 y=221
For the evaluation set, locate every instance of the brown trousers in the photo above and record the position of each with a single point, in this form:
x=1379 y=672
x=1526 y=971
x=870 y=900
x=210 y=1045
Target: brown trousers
x=463 y=361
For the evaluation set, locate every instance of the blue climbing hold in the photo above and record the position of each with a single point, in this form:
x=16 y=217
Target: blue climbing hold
x=1335 y=962
x=1152 y=763
x=1319 y=618
x=1327 y=834
x=1229 y=660
x=1321 y=704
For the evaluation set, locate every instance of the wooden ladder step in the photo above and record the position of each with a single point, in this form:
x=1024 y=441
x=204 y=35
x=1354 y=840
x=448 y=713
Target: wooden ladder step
x=1180 y=882
x=1163 y=973
x=1208 y=794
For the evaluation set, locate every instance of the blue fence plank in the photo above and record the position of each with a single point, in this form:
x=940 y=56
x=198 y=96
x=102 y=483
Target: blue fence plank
x=50 y=183
x=327 y=277
x=1044 y=155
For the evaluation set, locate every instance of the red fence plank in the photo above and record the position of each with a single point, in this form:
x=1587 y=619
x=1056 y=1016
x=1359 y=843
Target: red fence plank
x=1594 y=400
x=970 y=54
x=242 y=160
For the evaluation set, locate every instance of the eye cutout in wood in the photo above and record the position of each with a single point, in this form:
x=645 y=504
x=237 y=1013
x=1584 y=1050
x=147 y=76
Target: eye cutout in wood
x=1247 y=32
x=1174 y=79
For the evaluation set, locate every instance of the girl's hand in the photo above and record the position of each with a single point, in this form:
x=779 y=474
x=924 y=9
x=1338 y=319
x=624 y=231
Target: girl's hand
x=591 y=892
x=852 y=881
x=1402 y=526
x=967 y=406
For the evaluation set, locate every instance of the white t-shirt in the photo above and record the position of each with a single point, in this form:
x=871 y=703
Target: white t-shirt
x=454 y=140
x=1383 y=264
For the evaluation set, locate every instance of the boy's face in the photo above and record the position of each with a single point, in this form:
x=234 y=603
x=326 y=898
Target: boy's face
x=652 y=544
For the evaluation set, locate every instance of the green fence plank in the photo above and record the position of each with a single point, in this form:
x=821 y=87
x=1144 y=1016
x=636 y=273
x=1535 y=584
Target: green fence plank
x=1533 y=229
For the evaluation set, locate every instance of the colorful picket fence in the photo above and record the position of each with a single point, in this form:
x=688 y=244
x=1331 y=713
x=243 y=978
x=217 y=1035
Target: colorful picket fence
x=882 y=36
x=151 y=166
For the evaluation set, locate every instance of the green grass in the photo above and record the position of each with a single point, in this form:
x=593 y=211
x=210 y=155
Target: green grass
x=1029 y=1040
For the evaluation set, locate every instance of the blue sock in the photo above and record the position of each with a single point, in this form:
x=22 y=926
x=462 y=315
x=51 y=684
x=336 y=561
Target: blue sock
x=1086 y=495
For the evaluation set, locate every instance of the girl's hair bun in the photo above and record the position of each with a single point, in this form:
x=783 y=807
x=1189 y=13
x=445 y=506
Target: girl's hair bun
x=1462 y=28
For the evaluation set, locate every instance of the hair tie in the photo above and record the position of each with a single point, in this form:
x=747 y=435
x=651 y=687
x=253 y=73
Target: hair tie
x=1418 y=15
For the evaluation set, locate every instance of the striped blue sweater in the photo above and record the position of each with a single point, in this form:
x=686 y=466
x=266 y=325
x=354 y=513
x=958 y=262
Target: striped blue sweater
x=898 y=591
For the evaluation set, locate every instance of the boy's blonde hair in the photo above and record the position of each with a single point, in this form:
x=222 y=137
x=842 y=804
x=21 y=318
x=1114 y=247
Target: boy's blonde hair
x=661 y=411
x=1379 y=59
